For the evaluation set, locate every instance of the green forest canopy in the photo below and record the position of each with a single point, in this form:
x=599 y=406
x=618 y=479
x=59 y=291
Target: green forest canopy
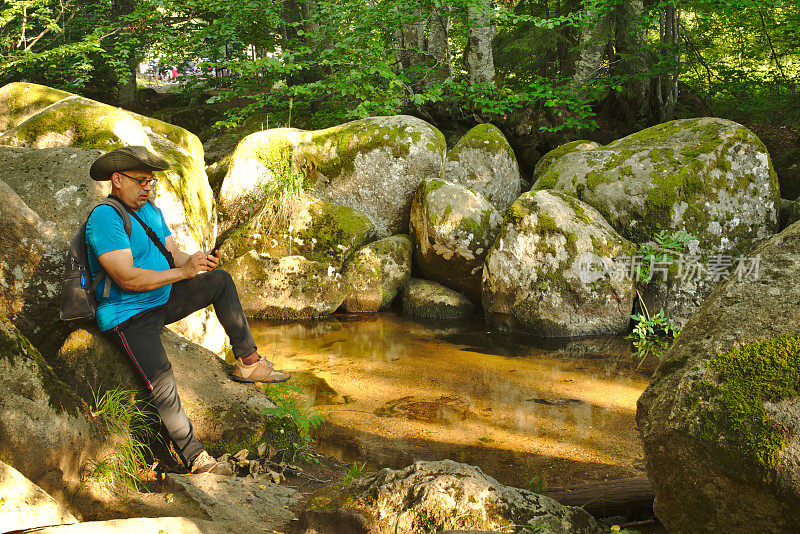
x=556 y=63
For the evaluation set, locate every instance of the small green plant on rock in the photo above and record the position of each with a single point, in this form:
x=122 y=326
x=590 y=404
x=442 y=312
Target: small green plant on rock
x=652 y=335
x=293 y=421
x=662 y=251
x=354 y=472
x=132 y=425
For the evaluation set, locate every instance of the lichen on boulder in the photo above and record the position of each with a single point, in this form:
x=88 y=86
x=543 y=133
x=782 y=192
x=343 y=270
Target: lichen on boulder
x=484 y=162
x=288 y=288
x=376 y=273
x=372 y=165
x=719 y=421
x=427 y=299
x=312 y=228
x=710 y=177
x=452 y=229
x=551 y=271
x=449 y=493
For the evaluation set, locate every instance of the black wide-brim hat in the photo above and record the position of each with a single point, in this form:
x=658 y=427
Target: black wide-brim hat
x=127 y=158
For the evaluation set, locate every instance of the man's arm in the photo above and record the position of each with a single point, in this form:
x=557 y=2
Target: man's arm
x=119 y=266
x=180 y=257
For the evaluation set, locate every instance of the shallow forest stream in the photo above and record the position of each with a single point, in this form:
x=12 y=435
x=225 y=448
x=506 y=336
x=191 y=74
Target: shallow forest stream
x=530 y=412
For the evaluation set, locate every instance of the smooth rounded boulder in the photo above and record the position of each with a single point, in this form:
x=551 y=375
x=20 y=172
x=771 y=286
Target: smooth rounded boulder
x=25 y=505
x=553 y=270
x=372 y=165
x=708 y=176
x=183 y=193
x=288 y=288
x=483 y=161
x=452 y=229
x=551 y=157
x=427 y=299
x=376 y=273
x=719 y=420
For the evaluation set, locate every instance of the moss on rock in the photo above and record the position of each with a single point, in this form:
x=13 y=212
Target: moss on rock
x=730 y=408
x=710 y=177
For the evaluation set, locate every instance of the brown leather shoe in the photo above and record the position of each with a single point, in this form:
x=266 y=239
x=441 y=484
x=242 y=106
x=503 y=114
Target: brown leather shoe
x=261 y=371
x=205 y=463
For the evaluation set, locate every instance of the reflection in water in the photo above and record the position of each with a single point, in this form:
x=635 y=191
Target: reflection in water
x=394 y=391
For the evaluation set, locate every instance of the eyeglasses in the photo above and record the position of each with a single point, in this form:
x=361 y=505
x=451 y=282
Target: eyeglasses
x=142 y=183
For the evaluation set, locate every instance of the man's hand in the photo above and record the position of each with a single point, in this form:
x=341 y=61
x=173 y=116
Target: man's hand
x=213 y=259
x=196 y=263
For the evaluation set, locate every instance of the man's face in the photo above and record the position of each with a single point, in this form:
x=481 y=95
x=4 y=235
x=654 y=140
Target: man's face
x=129 y=190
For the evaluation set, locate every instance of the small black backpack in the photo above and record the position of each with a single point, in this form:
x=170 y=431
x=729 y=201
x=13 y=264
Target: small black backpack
x=78 y=301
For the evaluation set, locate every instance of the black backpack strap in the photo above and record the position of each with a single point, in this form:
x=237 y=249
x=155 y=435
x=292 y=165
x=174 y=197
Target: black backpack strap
x=119 y=207
x=150 y=233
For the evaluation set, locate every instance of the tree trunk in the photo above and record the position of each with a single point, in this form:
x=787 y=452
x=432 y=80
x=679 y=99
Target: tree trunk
x=438 y=45
x=478 y=53
x=594 y=38
x=631 y=39
x=665 y=92
x=126 y=81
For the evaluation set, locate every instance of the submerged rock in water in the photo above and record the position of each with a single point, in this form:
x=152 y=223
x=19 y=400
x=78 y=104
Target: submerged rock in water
x=551 y=270
x=288 y=288
x=434 y=493
x=372 y=165
x=376 y=273
x=719 y=421
x=484 y=162
x=708 y=176
x=25 y=505
x=431 y=300
x=452 y=229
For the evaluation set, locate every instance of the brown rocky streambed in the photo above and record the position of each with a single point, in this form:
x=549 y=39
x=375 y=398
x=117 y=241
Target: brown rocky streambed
x=530 y=413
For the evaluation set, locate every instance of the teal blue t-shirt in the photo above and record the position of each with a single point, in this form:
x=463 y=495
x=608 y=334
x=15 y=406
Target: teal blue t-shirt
x=104 y=233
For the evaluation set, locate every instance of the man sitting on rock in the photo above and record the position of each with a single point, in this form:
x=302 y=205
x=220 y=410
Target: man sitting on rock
x=146 y=293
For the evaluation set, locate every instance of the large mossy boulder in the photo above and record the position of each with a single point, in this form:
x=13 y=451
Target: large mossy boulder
x=452 y=229
x=308 y=227
x=46 y=430
x=376 y=273
x=448 y=493
x=372 y=165
x=288 y=288
x=720 y=421
x=20 y=101
x=25 y=505
x=551 y=271
x=426 y=299
x=483 y=161
x=710 y=177
x=183 y=193
x=226 y=415
x=551 y=157
x=30 y=272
